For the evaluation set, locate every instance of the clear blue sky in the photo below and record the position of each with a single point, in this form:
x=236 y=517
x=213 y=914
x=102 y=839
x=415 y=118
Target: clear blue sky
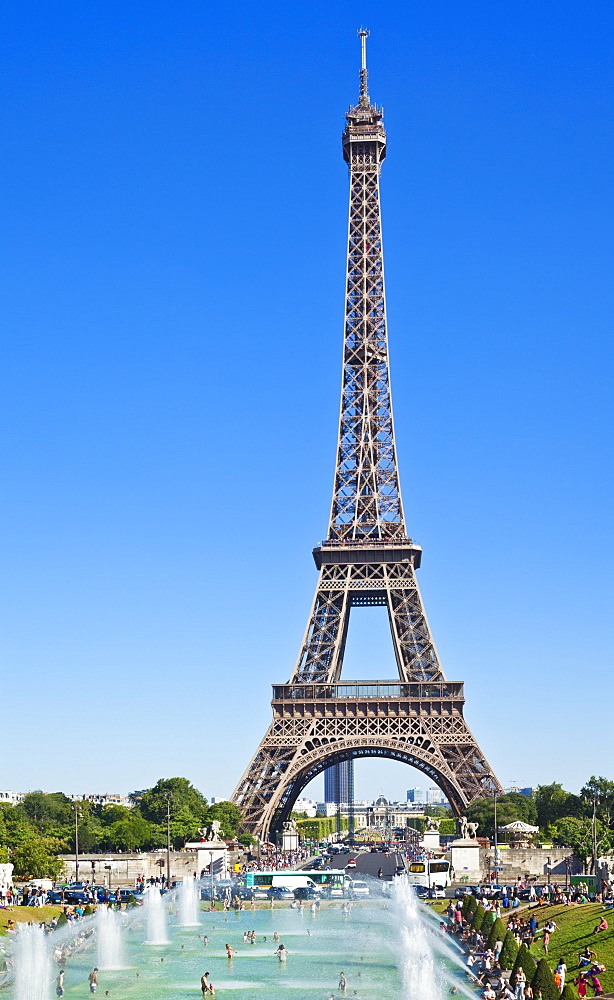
x=172 y=252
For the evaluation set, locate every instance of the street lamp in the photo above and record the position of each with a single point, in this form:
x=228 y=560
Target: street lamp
x=212 y=905
x=168 y=796
x=76 y=808
x=594 y=832
x=567 y=861
x=496 y=845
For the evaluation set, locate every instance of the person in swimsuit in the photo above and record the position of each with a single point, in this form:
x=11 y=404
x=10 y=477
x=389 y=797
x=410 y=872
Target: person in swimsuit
x=93 y=980
x=206 y=986
x=282 y=953
x=59 y=990
x=230 y=952
x=342 y=981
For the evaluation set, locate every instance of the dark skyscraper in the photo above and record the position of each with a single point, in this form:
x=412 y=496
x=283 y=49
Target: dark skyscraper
x=339 y=782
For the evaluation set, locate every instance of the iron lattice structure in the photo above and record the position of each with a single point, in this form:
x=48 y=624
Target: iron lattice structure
x=366 y=559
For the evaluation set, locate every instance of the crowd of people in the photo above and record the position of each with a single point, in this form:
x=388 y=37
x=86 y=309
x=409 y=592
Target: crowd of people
x=483 y=966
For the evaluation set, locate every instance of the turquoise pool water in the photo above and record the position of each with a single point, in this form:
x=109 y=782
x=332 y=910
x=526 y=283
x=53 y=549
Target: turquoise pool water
x=387 y=950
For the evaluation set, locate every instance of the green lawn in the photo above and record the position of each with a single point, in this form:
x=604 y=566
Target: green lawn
x=36 y=914
x=575 y=926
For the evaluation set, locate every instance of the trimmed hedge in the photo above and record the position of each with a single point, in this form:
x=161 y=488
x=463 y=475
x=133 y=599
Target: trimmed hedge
x=544 y=980
x=497 y=933
x=478 y=917
x=509 y=951
x=525 y=959
x=469 y=905
x=568 y=993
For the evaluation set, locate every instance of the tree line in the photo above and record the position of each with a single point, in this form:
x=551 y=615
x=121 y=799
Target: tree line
x=562 y=817
x=34 y=831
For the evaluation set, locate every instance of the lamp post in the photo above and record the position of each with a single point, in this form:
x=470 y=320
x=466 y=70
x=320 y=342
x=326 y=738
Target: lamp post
x=594 y=832
x=168 y=796
x=567 y=861
x=496 y=845
x=76 y=808
x=212 y=906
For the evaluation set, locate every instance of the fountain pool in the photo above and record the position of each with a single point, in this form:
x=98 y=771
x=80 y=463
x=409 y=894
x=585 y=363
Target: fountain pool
x=386 y=949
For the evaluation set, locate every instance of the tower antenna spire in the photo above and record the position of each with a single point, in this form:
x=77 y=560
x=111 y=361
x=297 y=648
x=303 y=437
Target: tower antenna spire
x=363 y=34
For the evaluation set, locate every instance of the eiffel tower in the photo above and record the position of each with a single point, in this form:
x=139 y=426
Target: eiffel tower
x=366 y=559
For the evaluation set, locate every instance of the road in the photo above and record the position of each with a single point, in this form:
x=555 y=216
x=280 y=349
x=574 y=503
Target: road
x=367 y=863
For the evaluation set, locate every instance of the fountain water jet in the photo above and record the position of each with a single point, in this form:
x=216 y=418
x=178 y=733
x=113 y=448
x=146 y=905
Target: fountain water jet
x=110 y=939
x=33 y=973
x=419 y=971
x=155 y=913
x=189 y=902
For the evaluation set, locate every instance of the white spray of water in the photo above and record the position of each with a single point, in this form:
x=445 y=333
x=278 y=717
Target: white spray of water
x=33 y=973
x=110 y=940
x=156 y=917
x=189 y=902
x=419 y=970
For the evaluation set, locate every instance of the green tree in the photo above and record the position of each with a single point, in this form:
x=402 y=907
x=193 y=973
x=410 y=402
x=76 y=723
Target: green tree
x=568 y=993
x=129 y=833
x=442 y=811
x=497 y=932
x=46 y=812
x=32 y=858
x=509 y=951
x=578 y=834
x=478 y=917
x=228 y=814
x=188 y=808
x=469 y=905
x=600 y=791
x=552 y=802
x=543 y=980
x=510 y=807
x=524 y=960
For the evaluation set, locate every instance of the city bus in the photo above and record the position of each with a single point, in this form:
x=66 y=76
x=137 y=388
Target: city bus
x=333 y=879
x=438 y=872
x=291 y=880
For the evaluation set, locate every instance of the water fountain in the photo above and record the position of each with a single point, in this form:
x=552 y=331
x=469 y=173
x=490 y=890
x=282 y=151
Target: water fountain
x=33 y=973
x=388 y=946
x=188 y=898
x=109 y=934
x=421 y=976
x=155 y=912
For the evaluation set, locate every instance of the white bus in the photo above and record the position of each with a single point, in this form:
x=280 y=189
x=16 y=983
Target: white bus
x=435 y=871
x=291 y=880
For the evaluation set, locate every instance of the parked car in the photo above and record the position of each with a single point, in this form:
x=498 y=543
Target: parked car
x=209 y=894
x=279 y=892
x=525 y=892
x=356 y=888
x=492 y=891
x=465 y=890
x=316 y=863
x=332 y=892
x=260 y=892
x=305 y=892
